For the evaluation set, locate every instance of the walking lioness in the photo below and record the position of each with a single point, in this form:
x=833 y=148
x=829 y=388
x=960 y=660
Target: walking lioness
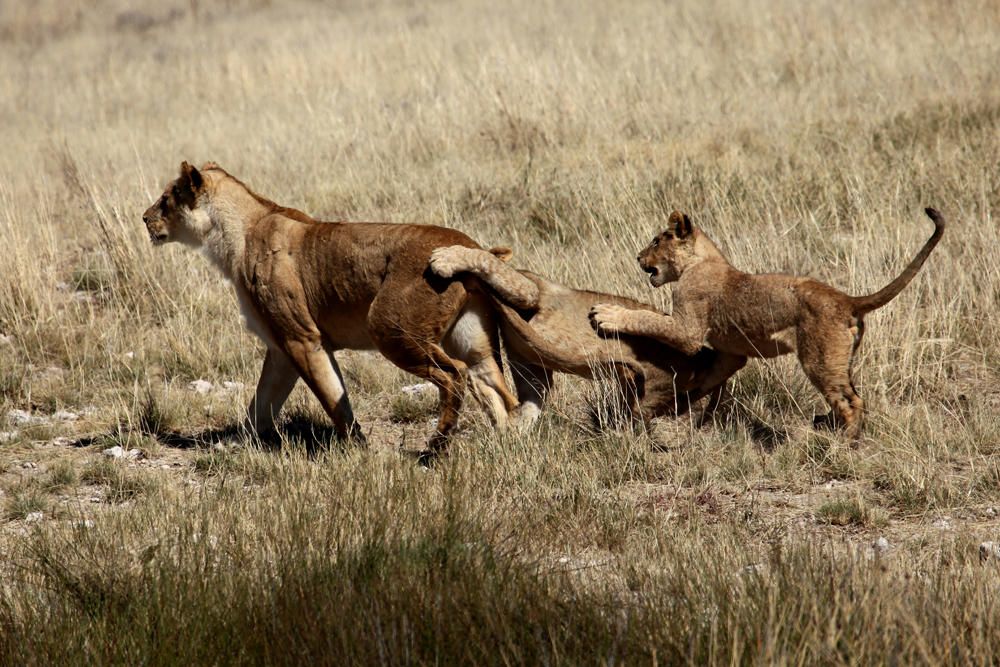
x=308 y=288
x=758 y=315
x=545 y=328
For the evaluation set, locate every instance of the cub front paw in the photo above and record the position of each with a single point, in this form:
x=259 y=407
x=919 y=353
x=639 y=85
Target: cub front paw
x=606 y=318
x=446 y=262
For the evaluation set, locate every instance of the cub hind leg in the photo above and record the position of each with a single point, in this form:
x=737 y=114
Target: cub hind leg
x=827 y=360
x=514 y=288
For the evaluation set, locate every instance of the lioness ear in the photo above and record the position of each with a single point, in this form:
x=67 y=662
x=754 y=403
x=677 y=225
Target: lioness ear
x=679 y=225
x=502 y=252
x=191 y=175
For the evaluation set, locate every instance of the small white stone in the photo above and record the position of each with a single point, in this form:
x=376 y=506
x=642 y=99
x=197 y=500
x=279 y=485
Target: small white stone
x=232 y=386
x=5 y=340
x=416 y=390
x=991 y=512
x=880 y=545
x=7 y=436
x=86 y=523
x=117 y=452
x=165 y=467
x=29 y=465
x=130 y=355
x=200 y=386
x=65 y=416
x=989 y=551
x=34 y=517
x=21 y=417
x=759 y=570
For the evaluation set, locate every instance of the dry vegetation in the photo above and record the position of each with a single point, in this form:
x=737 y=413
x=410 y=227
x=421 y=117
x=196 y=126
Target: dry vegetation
x=804 y=137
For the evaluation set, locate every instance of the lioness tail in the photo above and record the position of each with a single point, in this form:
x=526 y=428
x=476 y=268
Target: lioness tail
x=865 y=304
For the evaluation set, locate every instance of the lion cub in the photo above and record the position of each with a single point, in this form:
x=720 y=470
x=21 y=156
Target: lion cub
x=308 y=289
x=758 y=315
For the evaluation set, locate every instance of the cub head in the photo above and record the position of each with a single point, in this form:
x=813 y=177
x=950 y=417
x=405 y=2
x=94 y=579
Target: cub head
x=666 y=255
x=179 y=215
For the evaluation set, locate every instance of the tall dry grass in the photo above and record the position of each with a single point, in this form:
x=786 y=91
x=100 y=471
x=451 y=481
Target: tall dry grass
x=803 y=139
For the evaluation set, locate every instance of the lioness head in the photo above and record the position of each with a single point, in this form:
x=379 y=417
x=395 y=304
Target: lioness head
x=176 y=215
x=665 y=257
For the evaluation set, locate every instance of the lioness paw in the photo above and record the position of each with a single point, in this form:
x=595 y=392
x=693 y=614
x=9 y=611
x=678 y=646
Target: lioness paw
x=446 y=262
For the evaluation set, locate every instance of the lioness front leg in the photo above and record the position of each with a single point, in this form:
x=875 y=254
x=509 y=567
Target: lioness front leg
x=321 y=372
x=609 y=319
x=277 y=379
x=512 y=287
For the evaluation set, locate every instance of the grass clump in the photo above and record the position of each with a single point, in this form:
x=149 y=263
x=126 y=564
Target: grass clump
x=851 y=512
x=119 y=483
x=407 y=408
x=26 y=498
x=62 y=475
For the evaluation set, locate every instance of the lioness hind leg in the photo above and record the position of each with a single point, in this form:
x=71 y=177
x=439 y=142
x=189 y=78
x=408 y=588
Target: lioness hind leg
x=430 y=362
x=474 y=339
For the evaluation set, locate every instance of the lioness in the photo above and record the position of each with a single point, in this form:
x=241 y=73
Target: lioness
x=308 y=289
x=545 y=328
x=758 y=315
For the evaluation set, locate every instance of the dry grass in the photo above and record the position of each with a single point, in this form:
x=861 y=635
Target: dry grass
x=803 y=138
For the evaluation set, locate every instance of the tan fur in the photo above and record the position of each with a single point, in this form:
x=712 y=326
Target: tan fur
x=308 y=289
x=545 y=328
x=758 y=315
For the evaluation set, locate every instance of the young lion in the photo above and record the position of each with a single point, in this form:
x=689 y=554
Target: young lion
x=308 y=289
x=758 y=315
x=545 y=328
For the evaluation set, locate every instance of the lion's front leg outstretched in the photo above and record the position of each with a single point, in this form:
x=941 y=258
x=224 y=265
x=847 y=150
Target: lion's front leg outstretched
x=609 y=319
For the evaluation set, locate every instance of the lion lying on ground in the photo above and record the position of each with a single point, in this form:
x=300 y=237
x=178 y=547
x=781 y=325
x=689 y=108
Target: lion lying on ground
x=308 y=289
x=758 y=315
x=545 y=328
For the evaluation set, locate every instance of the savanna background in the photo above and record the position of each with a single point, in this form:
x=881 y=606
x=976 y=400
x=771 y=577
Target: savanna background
x=803 y=137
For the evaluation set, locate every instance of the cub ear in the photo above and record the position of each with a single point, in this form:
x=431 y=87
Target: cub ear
x=679 y=225
x=210 y=165
x=502 y=252
x=190 y=176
